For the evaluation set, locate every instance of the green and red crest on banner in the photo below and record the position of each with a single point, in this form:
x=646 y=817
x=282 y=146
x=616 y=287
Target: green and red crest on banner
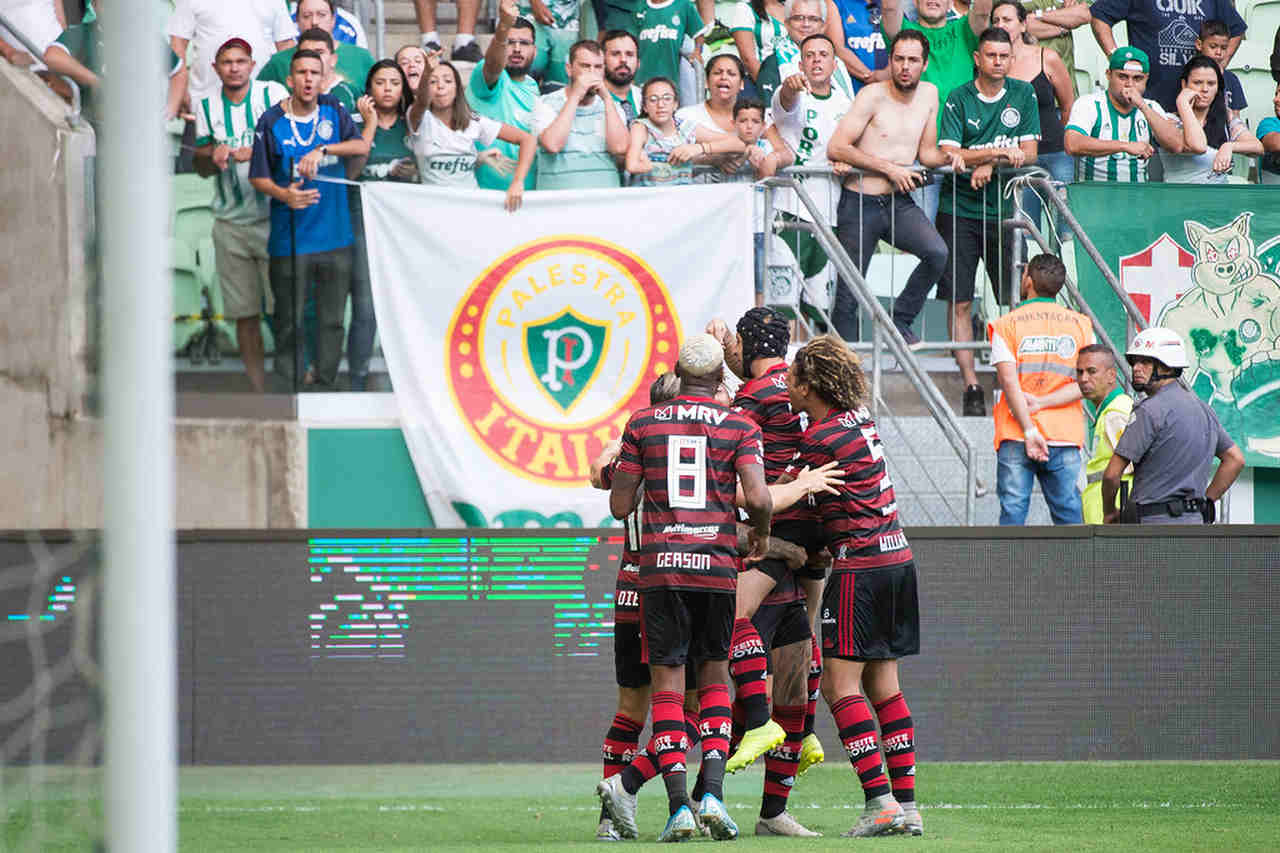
x=1204 y=261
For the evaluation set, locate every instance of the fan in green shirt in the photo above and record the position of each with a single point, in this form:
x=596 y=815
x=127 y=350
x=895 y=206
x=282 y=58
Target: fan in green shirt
x=661 y=29
x=502 y=89
x=992 y=121
x=951 y=42
x=347 y=64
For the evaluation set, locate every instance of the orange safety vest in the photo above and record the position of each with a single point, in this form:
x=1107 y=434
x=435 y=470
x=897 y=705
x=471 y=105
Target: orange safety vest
x=1044 y=338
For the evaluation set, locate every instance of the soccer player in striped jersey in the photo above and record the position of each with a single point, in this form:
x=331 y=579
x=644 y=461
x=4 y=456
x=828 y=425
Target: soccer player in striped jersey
x=870 y=615
x=622 y=739
x=689 y=455
x=241 y=215
x=757 y=354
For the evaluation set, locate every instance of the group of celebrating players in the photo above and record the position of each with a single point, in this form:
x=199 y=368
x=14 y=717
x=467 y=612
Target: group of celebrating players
x=796 y=449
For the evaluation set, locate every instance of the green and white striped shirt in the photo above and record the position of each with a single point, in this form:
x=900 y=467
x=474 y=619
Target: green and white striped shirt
x=219 y=121
x=1094 y=115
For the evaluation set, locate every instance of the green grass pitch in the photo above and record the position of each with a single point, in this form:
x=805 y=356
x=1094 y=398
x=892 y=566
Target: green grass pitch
x=1075 y=807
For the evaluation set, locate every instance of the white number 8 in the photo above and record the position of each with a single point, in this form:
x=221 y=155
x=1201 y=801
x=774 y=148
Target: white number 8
x=695 y=470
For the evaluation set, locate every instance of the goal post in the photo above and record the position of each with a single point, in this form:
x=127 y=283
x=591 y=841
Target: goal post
x=139 y=602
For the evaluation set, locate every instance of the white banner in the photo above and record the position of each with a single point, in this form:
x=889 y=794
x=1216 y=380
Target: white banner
x=519 y=344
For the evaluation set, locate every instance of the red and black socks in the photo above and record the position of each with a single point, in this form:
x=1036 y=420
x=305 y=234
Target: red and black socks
x=815 y=687
x=899 y=735
x=780 y=762
x=715 y=726
x=749 y=666
x=858 y=734
x=669 y=743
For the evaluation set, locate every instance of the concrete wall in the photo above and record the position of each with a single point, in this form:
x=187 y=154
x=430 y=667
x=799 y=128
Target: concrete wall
x=231 y=473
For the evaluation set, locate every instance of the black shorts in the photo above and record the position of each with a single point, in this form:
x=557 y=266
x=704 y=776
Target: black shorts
x=808 y=535
x=782 y=624
x=968 y=241
x=628 y=663
x=872 y=614
x=682 y=625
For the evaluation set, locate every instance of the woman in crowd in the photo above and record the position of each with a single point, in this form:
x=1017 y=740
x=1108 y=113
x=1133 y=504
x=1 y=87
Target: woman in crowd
x=756 y=26
x=1210 y=134
x=413 y=60
x=386 y=98
x=725 y=76
x=1047 y=73
x=663 y=146
x=444 y=133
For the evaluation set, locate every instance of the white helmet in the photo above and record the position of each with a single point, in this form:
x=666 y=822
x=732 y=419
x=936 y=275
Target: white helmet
x=1163 y=345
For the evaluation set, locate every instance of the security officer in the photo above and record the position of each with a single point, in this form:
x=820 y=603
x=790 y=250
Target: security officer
x=1096 y=376
x=1171 y=440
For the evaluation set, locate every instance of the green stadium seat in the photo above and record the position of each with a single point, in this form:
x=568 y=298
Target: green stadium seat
x=1252 y=64
x=1261 y=16
x=187 y=299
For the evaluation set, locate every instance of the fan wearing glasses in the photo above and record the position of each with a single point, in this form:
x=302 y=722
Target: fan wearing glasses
x=663 y=147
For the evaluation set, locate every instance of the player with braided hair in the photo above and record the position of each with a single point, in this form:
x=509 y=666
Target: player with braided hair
x=870 y=613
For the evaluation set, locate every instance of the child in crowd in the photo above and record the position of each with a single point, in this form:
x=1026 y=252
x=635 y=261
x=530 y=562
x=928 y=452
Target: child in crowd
x=1214 y=42
x=760 y=160
x=663 y=147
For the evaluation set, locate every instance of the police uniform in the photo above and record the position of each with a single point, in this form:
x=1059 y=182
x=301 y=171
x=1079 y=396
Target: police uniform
x=1172 y=439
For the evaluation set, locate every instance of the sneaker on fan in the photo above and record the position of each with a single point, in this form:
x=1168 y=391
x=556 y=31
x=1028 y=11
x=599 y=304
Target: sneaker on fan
x=882 y=815
x=755 y=743
x=811 y=753
x=606 y=832
x=784 y=824
x=620 y=805
x=681 y=826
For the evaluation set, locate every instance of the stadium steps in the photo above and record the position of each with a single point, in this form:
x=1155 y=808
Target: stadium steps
x=920 y=457
x=402 y=27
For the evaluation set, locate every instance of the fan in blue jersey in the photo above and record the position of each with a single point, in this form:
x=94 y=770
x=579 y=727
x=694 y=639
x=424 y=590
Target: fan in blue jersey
x=296 y=141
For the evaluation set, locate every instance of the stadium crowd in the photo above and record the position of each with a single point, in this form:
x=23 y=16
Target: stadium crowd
x=874 y=95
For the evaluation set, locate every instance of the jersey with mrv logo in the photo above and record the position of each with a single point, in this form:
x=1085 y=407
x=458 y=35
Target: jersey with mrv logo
x=861 y=521
x=688 y=452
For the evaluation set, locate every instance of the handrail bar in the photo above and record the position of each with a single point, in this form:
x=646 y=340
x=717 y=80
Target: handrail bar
x=861 y=292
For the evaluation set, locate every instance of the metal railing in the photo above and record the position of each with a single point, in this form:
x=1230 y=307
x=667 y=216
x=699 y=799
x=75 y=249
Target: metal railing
x=73 y=113
x=886 y=335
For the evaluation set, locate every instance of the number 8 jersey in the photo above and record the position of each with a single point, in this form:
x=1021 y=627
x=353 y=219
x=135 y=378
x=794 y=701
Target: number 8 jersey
x=688 y=452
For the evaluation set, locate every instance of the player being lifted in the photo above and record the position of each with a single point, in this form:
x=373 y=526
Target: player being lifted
x=870 y=614
x=689 y=455
x=621 y=742
x=757 y=354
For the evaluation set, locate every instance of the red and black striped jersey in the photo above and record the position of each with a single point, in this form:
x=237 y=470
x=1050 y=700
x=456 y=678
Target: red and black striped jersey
x=764 y=400
x=861 y=522
x=688 y=452
x=626 y=596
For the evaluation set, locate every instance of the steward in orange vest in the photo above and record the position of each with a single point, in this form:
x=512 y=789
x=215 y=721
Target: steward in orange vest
x=1039 y=418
